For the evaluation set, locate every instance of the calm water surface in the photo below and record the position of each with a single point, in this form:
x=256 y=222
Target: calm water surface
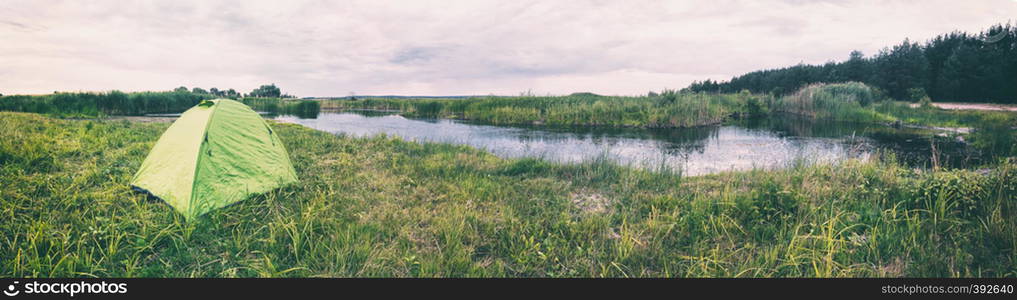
x=741 y=145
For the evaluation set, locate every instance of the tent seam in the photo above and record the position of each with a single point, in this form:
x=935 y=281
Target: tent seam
x=197 y=162
x=286 y=155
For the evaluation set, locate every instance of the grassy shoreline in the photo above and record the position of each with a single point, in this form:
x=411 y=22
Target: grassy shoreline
x=116 y=103
x=386 y=207
x=851 y=102
x=671 y=110
x=685 y=110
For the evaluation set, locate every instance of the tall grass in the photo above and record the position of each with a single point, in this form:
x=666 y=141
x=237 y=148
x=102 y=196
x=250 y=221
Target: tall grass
x=991 y=132
x=87 y=104
x=382 y=206
x=934 y=116
x=300 y=108
x=853 y=102
x=661 y=111
x=849 y=102
x=843 y=101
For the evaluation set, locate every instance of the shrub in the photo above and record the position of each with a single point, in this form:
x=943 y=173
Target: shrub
x=842 y=101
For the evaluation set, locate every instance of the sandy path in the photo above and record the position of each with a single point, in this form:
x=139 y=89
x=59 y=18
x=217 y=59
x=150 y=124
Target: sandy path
x=974 y=106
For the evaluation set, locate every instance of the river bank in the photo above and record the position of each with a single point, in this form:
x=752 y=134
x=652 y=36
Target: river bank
x=382 y=206
x=972 y=106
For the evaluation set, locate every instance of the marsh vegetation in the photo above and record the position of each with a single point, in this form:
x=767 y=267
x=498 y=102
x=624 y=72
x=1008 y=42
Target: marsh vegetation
x=382 y=206
x=115 y=103
x=851 y=102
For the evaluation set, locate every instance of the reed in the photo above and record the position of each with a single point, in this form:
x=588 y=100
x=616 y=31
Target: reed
x=90 y=104
x=584 y=109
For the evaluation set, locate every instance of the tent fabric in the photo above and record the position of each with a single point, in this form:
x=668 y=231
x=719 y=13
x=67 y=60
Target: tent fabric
x=217 y=153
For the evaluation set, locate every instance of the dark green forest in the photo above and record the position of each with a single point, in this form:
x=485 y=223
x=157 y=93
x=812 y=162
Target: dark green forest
x=956 y=67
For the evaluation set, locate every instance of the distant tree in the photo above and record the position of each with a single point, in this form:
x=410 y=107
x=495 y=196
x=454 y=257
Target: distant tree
x=996 y=49
x=182 y=89
x=215 y=92
x=198 y=90
x=856 y=68
x=961 y=75
x=937 y=51
x=899 y=69
x=268 y=90
x=232 y=93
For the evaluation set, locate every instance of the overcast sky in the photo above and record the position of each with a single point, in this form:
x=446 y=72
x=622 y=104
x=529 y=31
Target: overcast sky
x=333 y=48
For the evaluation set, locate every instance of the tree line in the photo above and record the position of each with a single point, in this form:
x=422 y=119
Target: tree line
x=263 y=91
x=956 y=66
x=90 y=104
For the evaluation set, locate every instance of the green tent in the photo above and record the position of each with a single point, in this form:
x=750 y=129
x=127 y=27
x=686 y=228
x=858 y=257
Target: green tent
x=217 y=153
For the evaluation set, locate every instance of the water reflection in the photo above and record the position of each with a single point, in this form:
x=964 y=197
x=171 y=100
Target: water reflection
x=740 y=145
x=913 y=146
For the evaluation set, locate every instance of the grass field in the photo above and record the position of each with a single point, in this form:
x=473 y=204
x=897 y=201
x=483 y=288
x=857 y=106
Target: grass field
x=386 y=207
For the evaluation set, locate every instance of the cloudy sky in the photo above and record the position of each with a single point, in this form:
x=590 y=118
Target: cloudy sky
x=334 y=48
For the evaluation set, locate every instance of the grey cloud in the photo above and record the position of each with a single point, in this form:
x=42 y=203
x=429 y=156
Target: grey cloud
x=15 y=24
x=415 y=55
x=318 y=48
